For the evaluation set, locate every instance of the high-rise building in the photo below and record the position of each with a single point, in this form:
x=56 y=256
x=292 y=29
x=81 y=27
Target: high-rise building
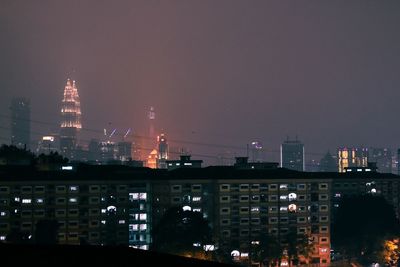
x=20 y=122
x=383 y=159
x=256 y=151
x=71 y=120
x=352 y=157
x=292 y=155
x=162 y=151
x=48 y=144
x=328 y=164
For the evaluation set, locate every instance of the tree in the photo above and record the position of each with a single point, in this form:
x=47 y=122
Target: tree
x=298 y=246
x=267 y=251
x=178 y=230
x=46 y=232
x=360 y=226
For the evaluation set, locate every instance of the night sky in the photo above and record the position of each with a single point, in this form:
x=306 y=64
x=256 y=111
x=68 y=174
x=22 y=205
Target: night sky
x=217 y=72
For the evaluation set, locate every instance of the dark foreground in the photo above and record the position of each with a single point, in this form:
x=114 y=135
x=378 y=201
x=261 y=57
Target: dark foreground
x=38 y=255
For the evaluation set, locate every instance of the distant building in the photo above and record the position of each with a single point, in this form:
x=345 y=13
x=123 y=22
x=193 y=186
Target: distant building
x=352 y=157
x=152 y=159
x=256 y=149
x=20 y=122
x=48 y=143
x=124 y=151
x=292 y=155
x=328 y=164
x=183 y=162
x=383 y=159
x=162 y=152
x=242 y=163
x=71 y=120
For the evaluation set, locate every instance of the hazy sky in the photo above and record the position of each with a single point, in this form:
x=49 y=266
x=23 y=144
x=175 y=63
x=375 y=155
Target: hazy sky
x=217 y=72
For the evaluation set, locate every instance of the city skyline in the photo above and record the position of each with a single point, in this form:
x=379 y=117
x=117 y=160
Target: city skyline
x=282 y=69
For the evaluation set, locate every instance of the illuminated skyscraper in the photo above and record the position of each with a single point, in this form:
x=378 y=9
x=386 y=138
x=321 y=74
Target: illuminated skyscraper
x=20 y=122
x=152 y=117
x=71 y=120
x=256 y=151
x=352 y=157
x=162 y=151
x=292 y=155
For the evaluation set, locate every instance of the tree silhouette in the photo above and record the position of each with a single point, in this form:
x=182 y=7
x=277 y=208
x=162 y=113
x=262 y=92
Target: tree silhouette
x=361 y=225
x=178 y=230
x=267 y=251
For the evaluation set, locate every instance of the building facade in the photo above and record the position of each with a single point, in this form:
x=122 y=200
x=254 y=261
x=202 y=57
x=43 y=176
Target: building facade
x=292 y=155
x=20 y=122
x=71 y=120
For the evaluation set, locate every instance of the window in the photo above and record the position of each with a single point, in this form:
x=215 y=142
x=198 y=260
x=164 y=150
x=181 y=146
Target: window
x=302 y=197
x=323 y=208
x=73 y=200
x=283 y=186
x=73 y=188
x=225 y=210
x=121 y=222
x=292 y=196
x=273 y=198
x=26 y=189
x=255 y=187
x=94 y=189
x=224 y=187
x=323 y=229
x=60 y=213
x=244 y=221
x=196 y=187
x=244 y=198
x=4 y=190
x=323 y=218
x=301 y=219
x=323 y=186
x=26 y=201
x=301 y=187
x=273 y=187
x=196 y=199
x=143 y=216
x=244 y=209
x=244 y=187
x=39 y=201
x=176 y=188
x=323 y=240
x=273 y=209
x=60 y=189
x=73 y=212
x=284 y=219
x=94 y=200
x=39 y=189
x=323 y=197
x=273 y=220
x=283 y=209
x=224 y=199
x=255 y=209
x=225 y=222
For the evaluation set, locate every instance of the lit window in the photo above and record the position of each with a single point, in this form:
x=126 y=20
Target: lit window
x=133 y=227
x=26 y=200
x=17 y=199
x=39 y=200
x=73 y=200
x=143 y=227
x=197 y=210
x=121 y=221
x=2 y=237
x=103 y=210
x=143 y=216
x=292 y=196
x=188 y=164
x=283 y=186
x=103 y=222
x=292 y=207
x=284 y=197
x=196 y=199
x=283 y=208
x=73 y=188
x=3 y=213
x=255 y=209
